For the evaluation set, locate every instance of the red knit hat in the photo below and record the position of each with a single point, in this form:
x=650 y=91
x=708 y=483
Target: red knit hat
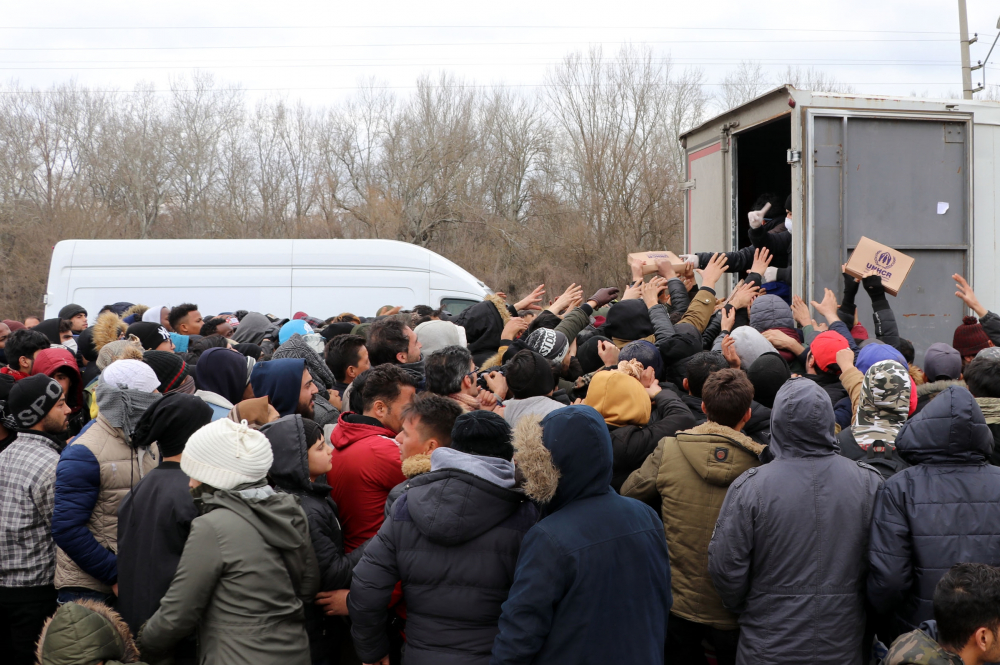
x=970 y=338
x=859 y=333
x=824 y=348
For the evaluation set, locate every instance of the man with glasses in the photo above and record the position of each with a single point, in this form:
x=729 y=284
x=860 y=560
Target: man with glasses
x=451 y=372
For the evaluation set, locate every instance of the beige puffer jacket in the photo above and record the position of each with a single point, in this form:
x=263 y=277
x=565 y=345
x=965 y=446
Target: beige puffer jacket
x=119 y=473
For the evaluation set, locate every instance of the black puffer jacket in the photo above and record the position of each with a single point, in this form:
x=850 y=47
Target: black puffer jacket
x=483 y=323
x=452 y=539
x=789 y=549
x=941 y=511
x=290 y=473
x=632 y=444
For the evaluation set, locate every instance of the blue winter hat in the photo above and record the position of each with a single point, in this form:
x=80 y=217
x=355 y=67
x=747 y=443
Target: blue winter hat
x=180 y=342
x=296 y=326
x=645 y=352
x=876 y=353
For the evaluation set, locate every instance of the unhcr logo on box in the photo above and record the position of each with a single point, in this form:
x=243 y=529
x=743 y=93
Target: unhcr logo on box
x=884 y=261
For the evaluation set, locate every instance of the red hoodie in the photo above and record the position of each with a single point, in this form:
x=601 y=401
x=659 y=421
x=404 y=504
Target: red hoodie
x=366 y=466
x=48 y=361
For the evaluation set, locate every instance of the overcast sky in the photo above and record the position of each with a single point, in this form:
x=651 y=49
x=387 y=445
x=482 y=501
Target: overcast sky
x=318 y=51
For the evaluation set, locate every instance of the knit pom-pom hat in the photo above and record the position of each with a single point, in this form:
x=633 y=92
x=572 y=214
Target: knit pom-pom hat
x=970 y=338
x=226 y=454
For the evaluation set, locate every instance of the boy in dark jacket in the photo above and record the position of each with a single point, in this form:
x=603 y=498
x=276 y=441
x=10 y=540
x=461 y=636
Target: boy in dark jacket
x=452 y=539
x=301 y=460
x=939 y=512
x=155 y=517
x=594 y=554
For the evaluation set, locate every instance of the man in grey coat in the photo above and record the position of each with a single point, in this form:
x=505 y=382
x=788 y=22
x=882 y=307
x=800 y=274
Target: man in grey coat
x=789 y=551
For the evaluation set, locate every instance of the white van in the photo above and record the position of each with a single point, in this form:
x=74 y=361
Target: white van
x=320 y=277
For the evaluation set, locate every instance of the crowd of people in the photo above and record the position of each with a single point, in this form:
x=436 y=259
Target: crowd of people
x=646 y=475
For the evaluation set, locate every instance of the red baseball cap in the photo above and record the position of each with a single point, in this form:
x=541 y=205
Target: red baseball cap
x=824 y=348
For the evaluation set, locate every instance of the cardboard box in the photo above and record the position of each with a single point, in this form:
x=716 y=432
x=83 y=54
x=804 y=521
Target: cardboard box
x=890 y=264
x=649 y=260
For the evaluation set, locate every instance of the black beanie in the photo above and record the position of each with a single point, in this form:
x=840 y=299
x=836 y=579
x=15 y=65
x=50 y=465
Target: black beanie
x=170 y=422
x=169 y=368
x=628 y=320
x=313 y=432
x=85 y=345
x=32 y=398
x=587 y=354
x=150 y=334
x=767 y=374
x=71 y=310
x=482 y=433
x=337 y=328
x=529 y=375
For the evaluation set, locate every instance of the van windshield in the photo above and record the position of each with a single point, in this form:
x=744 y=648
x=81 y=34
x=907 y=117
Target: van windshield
x=455 y=306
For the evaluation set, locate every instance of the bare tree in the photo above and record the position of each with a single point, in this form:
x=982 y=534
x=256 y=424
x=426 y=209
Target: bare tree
x=744 y=83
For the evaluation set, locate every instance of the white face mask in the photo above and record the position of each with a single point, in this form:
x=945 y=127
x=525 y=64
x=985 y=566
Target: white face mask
x=70 y=344
x=788 y=224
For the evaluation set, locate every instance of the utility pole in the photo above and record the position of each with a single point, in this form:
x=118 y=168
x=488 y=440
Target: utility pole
x=963 y=31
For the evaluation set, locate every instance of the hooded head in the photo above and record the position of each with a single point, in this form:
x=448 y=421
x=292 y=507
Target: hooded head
x=252 y=328
x=802 y=421
x=619 y=398
x=578 y=441
x=50 y=328
x=170 y=422
x=767 y=374
x=85 y=342
x=298 y=347
x=942 y=362
x=224 y=372
x=280 y=380
x=770 y=311
x=51 y=361
x=290 y=447
x=337 y=328
x=435 y=335
x=884 y=404
x=628 y=320
x=85 y=631
x=750 y=345
x=951 y=429
x=156 y=314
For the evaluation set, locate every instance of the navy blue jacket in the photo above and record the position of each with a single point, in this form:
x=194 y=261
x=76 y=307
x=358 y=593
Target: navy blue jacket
x=592 y=583
x=939 y=512
x=78 y=484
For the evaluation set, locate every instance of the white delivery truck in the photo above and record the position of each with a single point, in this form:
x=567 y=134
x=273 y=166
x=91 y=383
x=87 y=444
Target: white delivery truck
x=320 y=277
x=919 y=175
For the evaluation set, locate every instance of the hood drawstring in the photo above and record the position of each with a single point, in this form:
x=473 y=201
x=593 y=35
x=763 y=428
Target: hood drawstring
x=241 y=434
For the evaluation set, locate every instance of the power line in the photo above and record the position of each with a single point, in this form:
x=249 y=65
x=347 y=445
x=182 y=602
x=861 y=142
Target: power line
x=478 y=44
x=463 y=27
x=430 y=85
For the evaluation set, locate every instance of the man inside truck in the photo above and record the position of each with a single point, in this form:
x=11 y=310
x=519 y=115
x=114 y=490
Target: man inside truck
x=767 y=228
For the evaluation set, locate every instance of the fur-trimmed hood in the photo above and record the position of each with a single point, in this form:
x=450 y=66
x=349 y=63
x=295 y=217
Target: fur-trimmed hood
x=564 y=457
x=135 y=311
x=85 y=631
x=934 y=387
x=108 y=328
x=417 y=465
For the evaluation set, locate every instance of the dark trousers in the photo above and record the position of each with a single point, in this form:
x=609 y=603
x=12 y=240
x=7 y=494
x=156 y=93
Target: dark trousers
x=23 y=611
x=684 y=643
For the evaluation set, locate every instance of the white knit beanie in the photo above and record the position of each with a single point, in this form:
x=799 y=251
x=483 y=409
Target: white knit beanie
x=132 y=374
x=225 y=454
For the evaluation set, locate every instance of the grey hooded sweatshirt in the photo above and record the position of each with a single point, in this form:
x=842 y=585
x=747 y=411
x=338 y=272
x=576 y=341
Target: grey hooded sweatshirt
x=247 y=566
x=789 y=551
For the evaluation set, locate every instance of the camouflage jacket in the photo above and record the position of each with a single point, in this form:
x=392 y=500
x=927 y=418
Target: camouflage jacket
x=917 y=648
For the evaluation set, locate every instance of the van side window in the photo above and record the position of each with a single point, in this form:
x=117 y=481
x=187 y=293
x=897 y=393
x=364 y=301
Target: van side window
x=455 y=306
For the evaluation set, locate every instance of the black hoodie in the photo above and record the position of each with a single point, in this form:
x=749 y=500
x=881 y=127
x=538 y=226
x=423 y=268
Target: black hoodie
x=290 y=473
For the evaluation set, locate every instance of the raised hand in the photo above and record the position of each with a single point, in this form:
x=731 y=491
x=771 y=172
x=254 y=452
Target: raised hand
x=968 y=296
x=800 y=311
x=652 y=289
x=608 y=353
x=761 y=260
x=634 y=291
x=533 y=299
x=713 y=271
x=603 y=296
x=513 y=328
x=828 y=308
x=744 y=295
x=729 y=352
